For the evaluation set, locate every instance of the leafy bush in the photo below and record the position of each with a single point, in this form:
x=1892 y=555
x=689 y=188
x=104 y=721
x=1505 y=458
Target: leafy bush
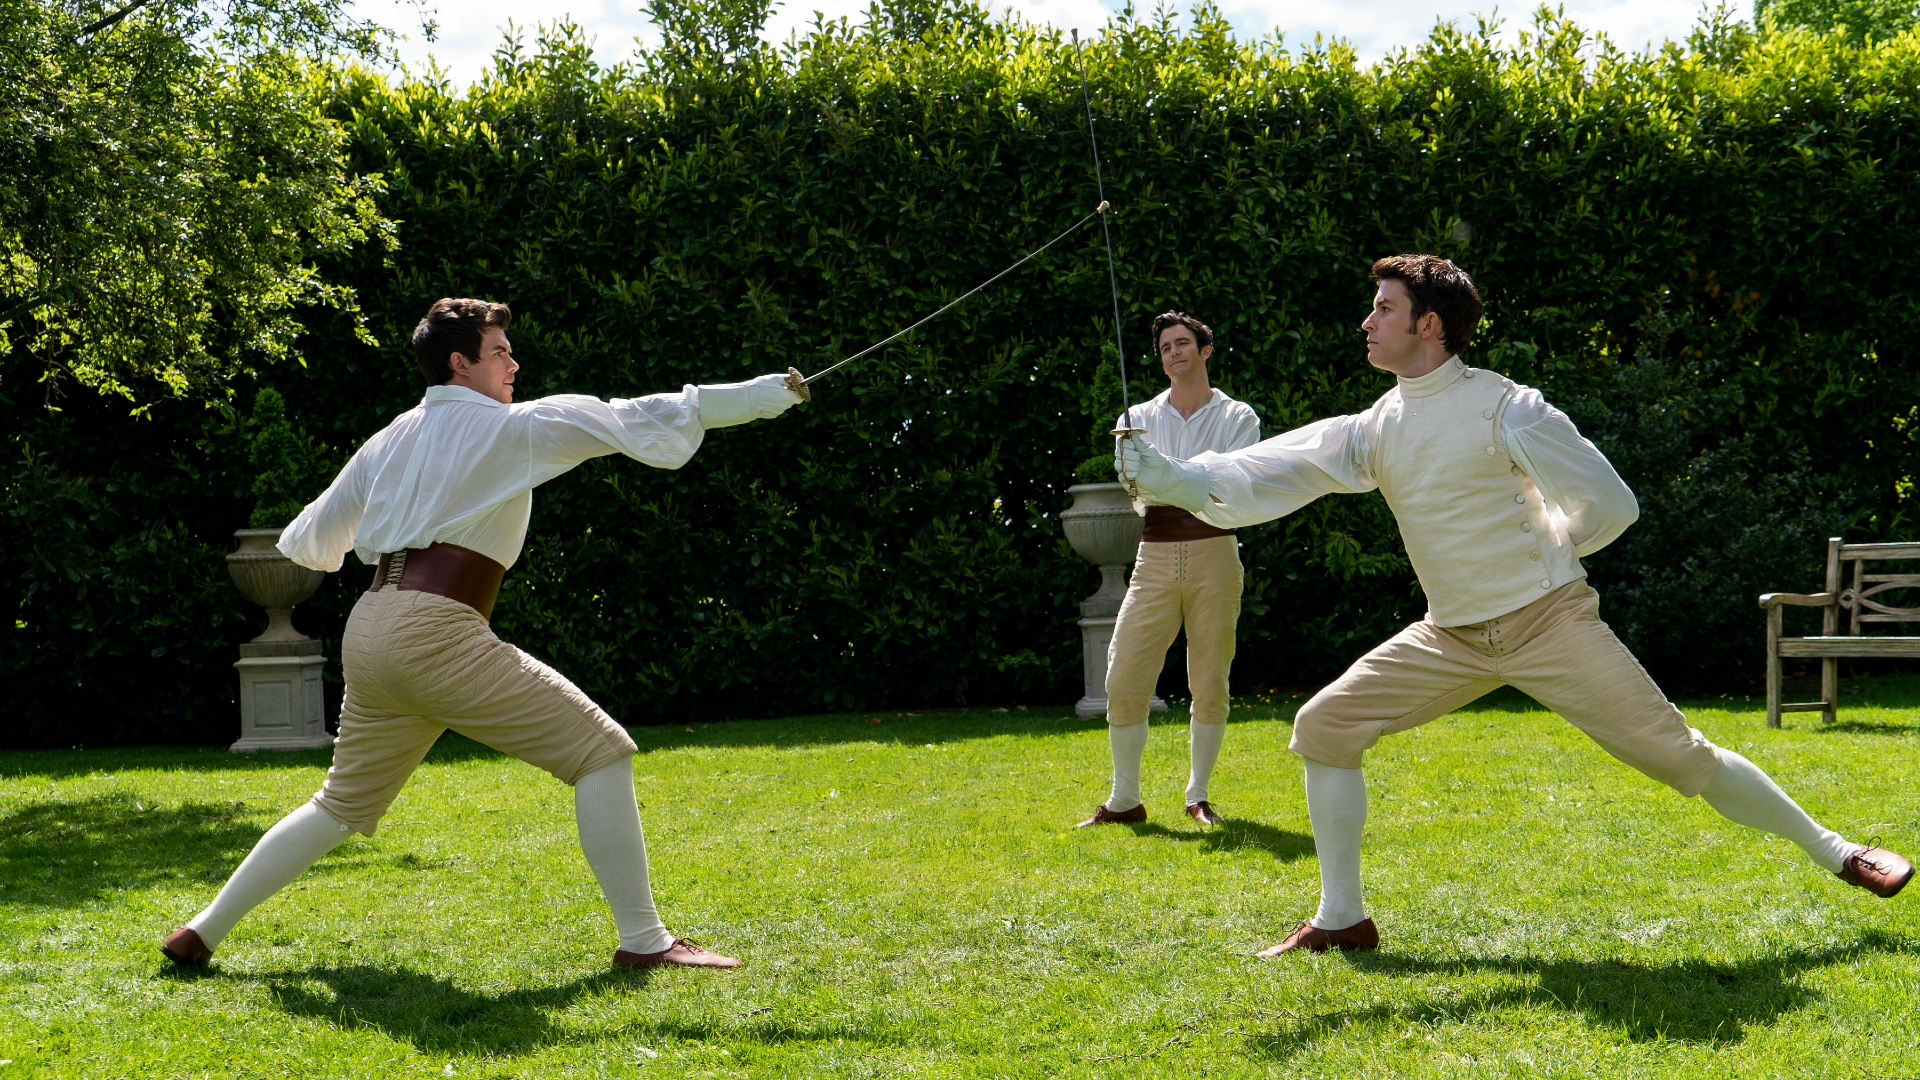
x=893 y=543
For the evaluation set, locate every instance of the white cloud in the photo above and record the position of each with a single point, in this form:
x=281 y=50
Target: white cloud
x=470 y=30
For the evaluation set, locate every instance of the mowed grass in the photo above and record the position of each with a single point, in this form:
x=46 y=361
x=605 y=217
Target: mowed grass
x=911 y=900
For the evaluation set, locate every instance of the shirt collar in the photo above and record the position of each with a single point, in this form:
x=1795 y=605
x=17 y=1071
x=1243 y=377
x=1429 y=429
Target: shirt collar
x=1433 y=381
x=1162 y=401
x=450 y=392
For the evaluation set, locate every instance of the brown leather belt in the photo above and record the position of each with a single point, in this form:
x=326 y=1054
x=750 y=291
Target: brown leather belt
x=447 y=570
x=1171 y=525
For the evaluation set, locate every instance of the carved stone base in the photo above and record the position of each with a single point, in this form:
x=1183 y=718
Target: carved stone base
x=1097 y=615
x=282 y=705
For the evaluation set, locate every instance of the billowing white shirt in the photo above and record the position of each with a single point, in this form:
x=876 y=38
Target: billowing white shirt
x=1221 y=425
x=460 y=468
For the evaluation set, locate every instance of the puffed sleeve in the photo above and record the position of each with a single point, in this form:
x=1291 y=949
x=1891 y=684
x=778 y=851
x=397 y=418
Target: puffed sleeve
x=1570 y=472
x=1279 y=476
x=662 y=430
x=321 y=536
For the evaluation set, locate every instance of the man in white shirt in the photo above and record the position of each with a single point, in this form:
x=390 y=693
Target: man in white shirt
x=1186 y=573
x=1497 y=496
x=440 y=500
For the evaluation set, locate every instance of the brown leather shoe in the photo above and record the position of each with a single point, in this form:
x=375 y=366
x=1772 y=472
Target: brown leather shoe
x=1361 y=936
x=1202 y=812
x=1104 y=816
x=1876 y=870
x=185 y=948
x=682 y=953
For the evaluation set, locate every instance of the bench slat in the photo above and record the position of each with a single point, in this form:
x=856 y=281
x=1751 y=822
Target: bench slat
x=1880 y=551
x=1805 y=706
x=1850 y=646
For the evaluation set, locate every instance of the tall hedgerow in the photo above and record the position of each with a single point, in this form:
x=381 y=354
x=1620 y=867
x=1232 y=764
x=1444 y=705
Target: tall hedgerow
x=1688 y=248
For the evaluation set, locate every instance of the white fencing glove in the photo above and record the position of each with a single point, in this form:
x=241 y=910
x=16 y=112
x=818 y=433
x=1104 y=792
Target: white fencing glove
x=729 y=404
x=1159 y=477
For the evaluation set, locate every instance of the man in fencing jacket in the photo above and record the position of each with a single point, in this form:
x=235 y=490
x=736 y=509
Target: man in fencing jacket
x=1497 y=496
x=439 y=500
x=1187 y=572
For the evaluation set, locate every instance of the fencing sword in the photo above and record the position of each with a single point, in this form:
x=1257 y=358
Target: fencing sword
x=1126 y=431
x=797 y=382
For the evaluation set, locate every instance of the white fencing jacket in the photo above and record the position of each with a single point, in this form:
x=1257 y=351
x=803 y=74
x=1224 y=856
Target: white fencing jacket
x=1495 y=491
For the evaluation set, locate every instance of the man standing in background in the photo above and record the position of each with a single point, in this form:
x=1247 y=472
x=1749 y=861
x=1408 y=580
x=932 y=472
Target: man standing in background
x=1186 y=574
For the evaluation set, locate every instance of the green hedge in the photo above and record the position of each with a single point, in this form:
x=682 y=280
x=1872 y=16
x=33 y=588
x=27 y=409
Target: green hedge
x=1689 y=250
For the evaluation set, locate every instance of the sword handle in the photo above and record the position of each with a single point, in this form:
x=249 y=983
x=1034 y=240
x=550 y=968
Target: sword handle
x=1126 y=434
x=797 y=383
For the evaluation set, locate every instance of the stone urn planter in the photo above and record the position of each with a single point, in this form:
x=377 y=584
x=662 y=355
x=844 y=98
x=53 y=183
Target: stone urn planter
x=282 y=703
x=1104 y=529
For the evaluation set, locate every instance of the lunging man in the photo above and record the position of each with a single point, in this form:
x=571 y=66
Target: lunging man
x=439 y=500
x=1497 y=497
x=1186 y=574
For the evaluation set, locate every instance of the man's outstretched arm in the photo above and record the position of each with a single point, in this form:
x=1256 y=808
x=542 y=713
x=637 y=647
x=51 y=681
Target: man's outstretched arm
x=1267 y=480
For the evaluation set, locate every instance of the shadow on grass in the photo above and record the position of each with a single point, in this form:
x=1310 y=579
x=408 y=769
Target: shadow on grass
x=62 y=853
x=435 y=1013
x=1236 y=834
x=1688 y=1001
x=66 y=764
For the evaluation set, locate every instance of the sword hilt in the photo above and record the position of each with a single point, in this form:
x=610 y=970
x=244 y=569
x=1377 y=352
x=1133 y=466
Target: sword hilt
x=797 y=383
x=1125 y=434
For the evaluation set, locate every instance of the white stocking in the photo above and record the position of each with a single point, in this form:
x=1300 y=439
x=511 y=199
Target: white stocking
x=1129 y=745
x=1337 y=806
x=1747 y=796
x=294 y=843
x=1205 y=740
x=610 y=836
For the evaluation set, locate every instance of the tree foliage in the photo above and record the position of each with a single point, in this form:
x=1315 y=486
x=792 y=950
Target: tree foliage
x=1686 y=248
x=166 y=182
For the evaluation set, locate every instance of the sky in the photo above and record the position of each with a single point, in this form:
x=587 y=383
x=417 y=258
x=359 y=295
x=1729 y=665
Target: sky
x=469 y=30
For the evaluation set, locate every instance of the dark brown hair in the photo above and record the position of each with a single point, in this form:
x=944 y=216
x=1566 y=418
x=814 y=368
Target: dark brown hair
x=1202 y=337
x=1438 y=286
x=454 y=326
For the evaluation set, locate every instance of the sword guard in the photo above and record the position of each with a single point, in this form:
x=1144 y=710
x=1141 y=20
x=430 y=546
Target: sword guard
x=797 y=383
x=1128 y=432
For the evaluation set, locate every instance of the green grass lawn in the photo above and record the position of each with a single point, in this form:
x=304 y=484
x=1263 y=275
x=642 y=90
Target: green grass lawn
x=911 y=900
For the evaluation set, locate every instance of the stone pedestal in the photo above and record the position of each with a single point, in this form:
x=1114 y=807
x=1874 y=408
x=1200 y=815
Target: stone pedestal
x=1103 y=527
x=282 y=702
x=282 y=706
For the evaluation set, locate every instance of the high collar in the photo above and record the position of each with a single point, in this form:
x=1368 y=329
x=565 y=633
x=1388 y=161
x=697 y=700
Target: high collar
x=450 y=392
x=1434 y=381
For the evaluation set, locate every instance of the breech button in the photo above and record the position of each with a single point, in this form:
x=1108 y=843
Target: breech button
x=1535 y=556
x=1546 y=583
x=1520 y=498
x=1526 y=526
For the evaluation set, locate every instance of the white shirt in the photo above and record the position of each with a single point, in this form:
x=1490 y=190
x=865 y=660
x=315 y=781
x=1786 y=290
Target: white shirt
x=1221 y=425
x=460 y=468
x=1585 y=497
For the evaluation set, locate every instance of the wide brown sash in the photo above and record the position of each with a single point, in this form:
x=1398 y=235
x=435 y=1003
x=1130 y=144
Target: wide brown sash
x=1171 y=525
x=447 y=570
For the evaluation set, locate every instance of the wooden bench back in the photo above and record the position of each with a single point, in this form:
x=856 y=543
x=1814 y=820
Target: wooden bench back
x=1858 y=598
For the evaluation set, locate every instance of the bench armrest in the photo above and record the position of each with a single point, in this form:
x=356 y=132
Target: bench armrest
x=1819 y=599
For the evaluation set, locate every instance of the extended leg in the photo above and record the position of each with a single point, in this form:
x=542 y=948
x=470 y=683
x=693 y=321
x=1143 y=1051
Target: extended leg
x=1579 y=669
x=284 y=853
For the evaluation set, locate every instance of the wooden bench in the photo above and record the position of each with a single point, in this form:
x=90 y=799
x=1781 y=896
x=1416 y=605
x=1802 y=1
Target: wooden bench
x=1831 y=645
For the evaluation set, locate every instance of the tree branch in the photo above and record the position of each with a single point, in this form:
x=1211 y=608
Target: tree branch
x=101 y=24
